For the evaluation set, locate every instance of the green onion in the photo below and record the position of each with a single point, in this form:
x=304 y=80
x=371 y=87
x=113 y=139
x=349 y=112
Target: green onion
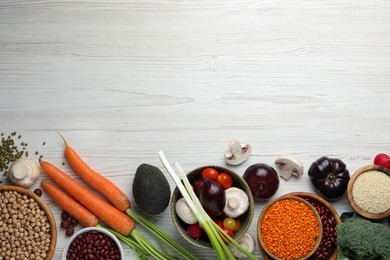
x=216 y=235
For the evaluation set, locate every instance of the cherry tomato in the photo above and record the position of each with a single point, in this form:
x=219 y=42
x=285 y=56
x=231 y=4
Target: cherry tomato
x=229 y=223
x=210 y=173
x=225 y=180
x=238 y=225
x=229 y=232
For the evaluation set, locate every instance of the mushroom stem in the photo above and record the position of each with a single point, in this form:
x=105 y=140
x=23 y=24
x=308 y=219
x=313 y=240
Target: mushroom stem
x=20 y=171
x=233 y=203
x=235 y=147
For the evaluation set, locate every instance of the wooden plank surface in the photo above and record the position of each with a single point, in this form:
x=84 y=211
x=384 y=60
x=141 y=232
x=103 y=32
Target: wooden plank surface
x=124 y=79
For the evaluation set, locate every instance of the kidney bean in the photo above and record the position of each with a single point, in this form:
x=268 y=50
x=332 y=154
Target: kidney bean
x=328 y=241
x=93 y=245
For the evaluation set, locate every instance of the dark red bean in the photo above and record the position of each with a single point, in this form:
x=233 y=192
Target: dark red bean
x=64 y=215
x=65 y=224
x=327 y=245
x=69 y=231
x=38 y=192
x=94 y=245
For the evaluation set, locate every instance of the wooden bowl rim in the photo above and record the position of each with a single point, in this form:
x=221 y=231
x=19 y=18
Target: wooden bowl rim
x=204 y=244
x=285 y=197
x=45 y=208
x=351 y=200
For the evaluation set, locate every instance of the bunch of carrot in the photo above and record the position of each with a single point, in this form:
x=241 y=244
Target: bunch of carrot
x=88 y=208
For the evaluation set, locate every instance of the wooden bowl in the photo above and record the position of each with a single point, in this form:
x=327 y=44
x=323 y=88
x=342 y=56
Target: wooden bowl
x=266 y=253
x=45 y=208
x=322 y=202
x=245 y=219
x=351 y=198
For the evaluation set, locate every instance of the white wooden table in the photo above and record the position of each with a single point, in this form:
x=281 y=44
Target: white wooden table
x=124 y=79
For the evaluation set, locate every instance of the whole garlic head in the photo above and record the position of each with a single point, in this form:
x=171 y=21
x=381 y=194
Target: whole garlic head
x=23 y=172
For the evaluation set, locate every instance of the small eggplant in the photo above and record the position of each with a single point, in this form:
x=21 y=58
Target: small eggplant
x=212 y=197
x=329 y=177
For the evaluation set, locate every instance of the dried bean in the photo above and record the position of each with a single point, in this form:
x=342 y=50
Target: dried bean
x=328 y=242
x=38 y=192
x=93 y=245
x=64 y=215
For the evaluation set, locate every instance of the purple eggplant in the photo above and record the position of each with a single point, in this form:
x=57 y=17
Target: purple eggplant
x=212 y=197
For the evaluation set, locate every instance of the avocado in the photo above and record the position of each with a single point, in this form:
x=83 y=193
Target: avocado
x=151 y=189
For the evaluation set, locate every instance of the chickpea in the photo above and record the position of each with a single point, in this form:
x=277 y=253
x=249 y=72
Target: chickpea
x=25 y=227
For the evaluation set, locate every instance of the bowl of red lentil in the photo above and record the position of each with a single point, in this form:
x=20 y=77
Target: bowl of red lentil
x=369 y=192
x=27 y=226
x=93 y=243
x=289 y=227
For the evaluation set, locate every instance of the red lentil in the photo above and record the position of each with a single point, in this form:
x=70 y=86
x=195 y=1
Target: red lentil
x=289 y=229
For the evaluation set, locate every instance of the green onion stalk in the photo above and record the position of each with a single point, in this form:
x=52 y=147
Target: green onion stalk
x=216 y=234
x=140 y=245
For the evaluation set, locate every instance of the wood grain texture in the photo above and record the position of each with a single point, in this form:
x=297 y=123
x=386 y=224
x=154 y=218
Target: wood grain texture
x=124 y=79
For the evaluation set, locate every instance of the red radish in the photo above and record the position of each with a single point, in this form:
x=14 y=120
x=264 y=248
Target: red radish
x=219 y=222
x=382 y=160
x=194 y=231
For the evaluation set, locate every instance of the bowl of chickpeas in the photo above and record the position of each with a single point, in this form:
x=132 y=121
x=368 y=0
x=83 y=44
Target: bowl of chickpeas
x=27 y=225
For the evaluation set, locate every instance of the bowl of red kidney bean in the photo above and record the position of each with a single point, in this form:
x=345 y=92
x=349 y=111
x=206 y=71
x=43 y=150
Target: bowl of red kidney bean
x=329 y=218
x=93 y=243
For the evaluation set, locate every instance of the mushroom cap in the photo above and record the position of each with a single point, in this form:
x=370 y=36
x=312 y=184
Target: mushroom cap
x=237 y=202
x=248 y=242
x=23 y=172
x=237 y=153
x=289 y=165
x=184 y=212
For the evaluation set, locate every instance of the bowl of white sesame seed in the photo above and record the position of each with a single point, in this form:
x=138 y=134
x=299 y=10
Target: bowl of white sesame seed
x=369 y=192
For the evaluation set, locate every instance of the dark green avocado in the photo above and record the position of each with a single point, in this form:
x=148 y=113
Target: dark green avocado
x=151 y=189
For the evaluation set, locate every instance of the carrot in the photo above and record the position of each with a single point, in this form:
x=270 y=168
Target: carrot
x=107 y=213
x=97 y=181
x=67 y=203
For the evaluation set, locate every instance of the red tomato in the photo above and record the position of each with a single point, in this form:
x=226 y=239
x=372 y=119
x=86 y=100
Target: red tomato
x=225 y=180
x=210 y=173
x=238 y=225
x=229 y=232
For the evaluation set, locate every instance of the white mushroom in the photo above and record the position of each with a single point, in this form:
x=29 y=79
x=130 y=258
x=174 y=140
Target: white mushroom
x=184 y=212
x=289 y=165
x=248 y=242
x=237 y=202
x=237 y=153
x=23 y=172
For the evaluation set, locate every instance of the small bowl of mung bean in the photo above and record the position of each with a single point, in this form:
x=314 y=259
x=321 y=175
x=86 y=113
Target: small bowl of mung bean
x=27 y=226
x=369 y=192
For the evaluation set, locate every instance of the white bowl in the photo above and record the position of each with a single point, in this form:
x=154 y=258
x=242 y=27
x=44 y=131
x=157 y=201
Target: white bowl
x=88 y=229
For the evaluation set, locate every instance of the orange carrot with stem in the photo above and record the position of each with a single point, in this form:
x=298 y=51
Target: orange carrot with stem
x=67 y=203
x=113 y=194
x=87 y=218
x=97 y=181
x=109 y=214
